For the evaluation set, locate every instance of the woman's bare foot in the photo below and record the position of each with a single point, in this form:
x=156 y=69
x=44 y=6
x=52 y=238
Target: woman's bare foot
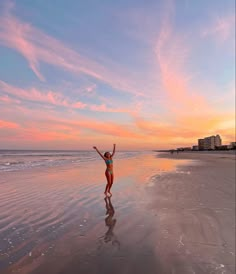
x=110 y=194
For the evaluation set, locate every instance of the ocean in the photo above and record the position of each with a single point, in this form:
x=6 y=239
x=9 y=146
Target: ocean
x=14 y=160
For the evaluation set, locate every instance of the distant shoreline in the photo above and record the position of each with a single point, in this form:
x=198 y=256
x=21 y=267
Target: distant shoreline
x=201 y=151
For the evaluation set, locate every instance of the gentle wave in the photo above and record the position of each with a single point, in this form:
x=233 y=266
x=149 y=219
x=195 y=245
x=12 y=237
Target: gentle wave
x=21 y=160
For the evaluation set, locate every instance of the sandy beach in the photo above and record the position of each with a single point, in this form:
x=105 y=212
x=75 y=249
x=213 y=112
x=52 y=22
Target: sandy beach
x=169 y=214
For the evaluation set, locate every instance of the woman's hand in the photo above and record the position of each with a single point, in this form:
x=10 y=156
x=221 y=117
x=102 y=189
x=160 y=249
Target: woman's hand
x=99 y=152
x=114 y=149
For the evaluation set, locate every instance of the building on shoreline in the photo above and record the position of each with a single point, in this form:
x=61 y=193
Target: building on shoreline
x=213 y=142
x=200 y=144
x=195 y=148
x=232 y=145
x=209 y=143
x=223 y=147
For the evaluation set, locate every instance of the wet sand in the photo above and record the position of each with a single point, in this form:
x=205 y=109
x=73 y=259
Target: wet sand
x=196 y=210
x=168 y=214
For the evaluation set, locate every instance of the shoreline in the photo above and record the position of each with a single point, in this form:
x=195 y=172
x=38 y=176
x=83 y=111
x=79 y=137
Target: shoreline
x=198 y=155
x=229 y=152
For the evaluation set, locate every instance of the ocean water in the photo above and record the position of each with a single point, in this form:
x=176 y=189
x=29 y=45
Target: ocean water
x=13 y=160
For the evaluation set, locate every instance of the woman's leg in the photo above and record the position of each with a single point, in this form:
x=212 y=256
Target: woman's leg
x=111 y=183
x=108 y=176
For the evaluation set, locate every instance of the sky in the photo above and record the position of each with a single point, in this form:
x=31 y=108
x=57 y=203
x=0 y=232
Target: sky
x=142 y=74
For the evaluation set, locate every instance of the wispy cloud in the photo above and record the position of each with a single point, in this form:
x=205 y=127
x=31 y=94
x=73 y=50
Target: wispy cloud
x=221 y=29
x=35 y=95
x=14 y=35
x=52 y=98
x=8 y=100
x=36 y=125
x=83 y=124
x=187 y=129
x=37 y=47
x=193 y=115
x=7 y=124
x=172 y=56
x=104 y=108
x=90 y=88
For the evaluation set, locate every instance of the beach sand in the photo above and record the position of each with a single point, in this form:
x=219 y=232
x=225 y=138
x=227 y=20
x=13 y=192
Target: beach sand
x=168 y=214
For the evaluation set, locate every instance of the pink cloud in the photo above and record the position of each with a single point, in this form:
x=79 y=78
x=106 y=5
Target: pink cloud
x=7 y=100
x=35 y=95
x=51 y=128
x=104 y=108
x=172 y=54
x=74 y=131
x=91 y=88
x=182 y=132
x=70 y=123
x=39 y=135
x=19 y=38
x=221 y=29
x=193 y=114
x=51 y=97
x=38 y=118
x=37 y=47
x=104 y=128
x=7 y=124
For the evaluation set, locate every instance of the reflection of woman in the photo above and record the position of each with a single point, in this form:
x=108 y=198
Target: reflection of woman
x=110 y=223
x=107 y=157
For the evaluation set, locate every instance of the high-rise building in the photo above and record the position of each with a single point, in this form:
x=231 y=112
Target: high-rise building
x=218 y=141
x=201 y=144
x=209 y=143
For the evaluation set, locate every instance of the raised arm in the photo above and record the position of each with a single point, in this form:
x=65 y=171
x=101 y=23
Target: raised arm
x=99 y=153
x=114 y=150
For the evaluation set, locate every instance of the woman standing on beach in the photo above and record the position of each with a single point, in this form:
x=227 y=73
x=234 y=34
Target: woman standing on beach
x=107 y=157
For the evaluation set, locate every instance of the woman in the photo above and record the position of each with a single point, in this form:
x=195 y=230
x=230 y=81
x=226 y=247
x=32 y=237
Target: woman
x=107 y=157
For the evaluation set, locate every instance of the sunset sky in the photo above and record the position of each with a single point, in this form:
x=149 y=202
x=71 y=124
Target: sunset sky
x=142 y=74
